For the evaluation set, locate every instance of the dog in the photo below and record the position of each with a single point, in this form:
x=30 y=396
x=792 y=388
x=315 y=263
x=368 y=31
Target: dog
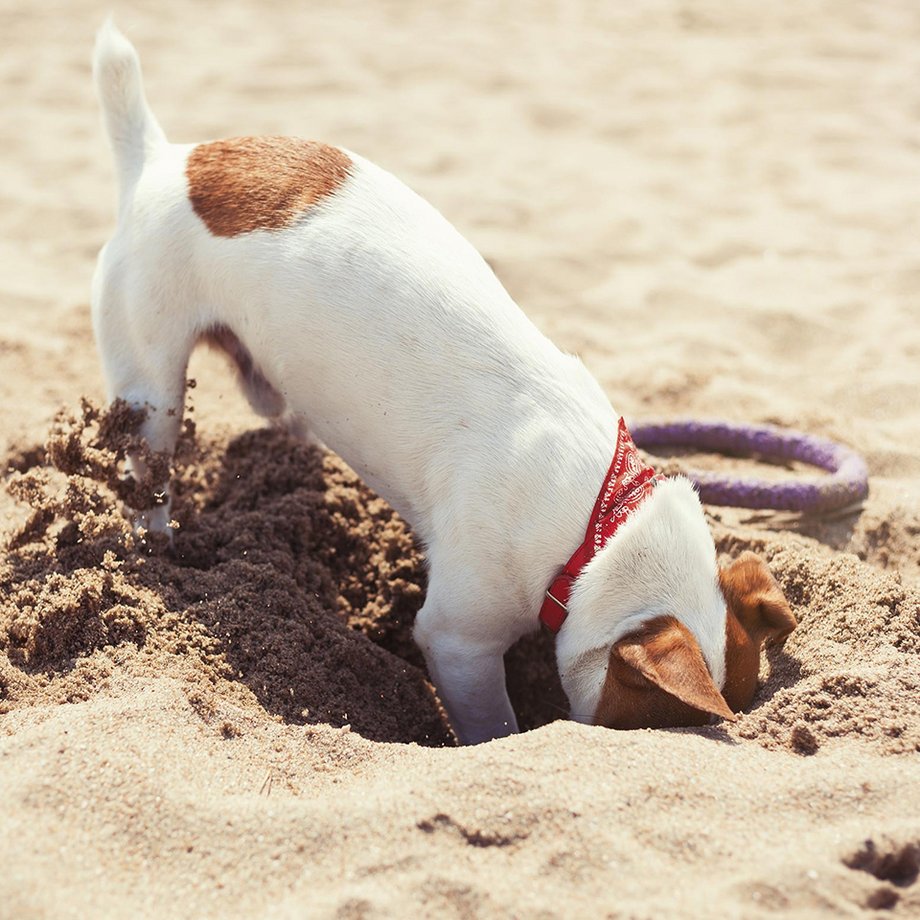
x=355 y=314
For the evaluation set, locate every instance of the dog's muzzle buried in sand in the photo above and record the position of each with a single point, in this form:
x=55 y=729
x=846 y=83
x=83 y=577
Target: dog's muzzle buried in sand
x=358 y=316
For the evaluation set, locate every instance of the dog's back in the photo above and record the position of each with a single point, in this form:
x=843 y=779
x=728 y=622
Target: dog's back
x=294 y=256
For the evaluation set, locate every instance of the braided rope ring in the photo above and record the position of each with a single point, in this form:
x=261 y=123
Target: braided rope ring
x=847 y=484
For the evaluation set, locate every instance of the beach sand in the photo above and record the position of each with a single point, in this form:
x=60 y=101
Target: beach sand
x=717 y=207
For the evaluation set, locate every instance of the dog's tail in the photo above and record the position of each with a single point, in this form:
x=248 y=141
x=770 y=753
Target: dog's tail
x=132 y=128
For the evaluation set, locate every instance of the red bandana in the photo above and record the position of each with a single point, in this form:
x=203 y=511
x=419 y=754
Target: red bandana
x=627 y=484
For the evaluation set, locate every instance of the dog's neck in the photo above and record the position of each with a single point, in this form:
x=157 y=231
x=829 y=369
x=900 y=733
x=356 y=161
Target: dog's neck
x=558 y=478
x=625 y=486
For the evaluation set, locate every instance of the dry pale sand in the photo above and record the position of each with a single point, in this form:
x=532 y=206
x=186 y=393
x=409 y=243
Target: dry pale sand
x=717 y=206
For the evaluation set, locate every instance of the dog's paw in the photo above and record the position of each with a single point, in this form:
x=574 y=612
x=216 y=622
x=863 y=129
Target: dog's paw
x=152 y=523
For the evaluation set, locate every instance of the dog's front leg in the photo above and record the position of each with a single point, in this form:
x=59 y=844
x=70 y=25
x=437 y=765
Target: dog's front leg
x=469 y=675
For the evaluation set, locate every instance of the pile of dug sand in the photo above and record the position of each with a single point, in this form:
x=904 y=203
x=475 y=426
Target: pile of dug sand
x=282 y=567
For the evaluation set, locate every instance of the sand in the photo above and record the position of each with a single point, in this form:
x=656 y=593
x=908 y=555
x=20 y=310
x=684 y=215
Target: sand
x=716 y=207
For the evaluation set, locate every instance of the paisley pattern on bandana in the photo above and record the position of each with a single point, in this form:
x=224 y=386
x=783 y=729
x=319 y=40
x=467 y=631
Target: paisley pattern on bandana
x=628 y=483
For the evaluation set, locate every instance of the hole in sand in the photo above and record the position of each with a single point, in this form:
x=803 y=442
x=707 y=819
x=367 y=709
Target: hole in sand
x=883 y=899
x=888 y=862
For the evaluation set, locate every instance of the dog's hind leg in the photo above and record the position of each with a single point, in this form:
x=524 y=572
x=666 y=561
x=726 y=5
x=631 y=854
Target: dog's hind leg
x=144 y=344
x=263 y=397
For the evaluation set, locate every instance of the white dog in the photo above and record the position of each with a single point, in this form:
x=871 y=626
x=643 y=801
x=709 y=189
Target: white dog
x=354 y=310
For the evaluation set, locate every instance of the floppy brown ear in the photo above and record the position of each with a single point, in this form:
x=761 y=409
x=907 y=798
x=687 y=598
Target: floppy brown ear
x=756 y=600
x=657 y=677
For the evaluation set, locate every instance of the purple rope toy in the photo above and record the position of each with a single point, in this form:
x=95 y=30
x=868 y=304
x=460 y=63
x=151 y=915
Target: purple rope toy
x=847 y=484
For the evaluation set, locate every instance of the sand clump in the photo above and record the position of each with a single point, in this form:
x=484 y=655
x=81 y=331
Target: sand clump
x=852 y=667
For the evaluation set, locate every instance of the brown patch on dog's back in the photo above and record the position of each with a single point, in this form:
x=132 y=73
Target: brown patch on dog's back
x=260 y=183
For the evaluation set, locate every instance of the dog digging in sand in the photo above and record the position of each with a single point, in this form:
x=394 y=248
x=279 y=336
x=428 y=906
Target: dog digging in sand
x=358 y=316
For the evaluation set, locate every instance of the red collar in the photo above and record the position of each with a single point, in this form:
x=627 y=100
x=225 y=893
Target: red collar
x=627 y=484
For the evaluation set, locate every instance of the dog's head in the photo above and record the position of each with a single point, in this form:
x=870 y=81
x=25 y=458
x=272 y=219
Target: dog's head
x=683 y=636
x=657 y=675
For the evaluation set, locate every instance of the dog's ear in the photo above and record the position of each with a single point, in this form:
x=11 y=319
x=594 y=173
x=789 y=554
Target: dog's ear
x=756 y=600
x=657 y=677
x=756 y=612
